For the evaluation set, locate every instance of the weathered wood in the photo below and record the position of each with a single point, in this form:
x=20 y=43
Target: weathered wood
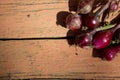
x=31 y=18
x=45 y=58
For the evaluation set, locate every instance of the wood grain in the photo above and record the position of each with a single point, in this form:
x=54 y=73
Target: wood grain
x=46 y=58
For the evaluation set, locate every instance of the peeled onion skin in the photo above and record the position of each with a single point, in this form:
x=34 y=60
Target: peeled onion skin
x=111 y=52
x=73 y=21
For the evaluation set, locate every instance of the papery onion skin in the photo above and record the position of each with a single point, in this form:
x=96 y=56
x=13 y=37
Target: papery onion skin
x=85 y=6
x=74 y=21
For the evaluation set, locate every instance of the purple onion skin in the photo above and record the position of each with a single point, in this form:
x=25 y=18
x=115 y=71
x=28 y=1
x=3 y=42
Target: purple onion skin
x=102 y=39
x=91 y=21
x=73 y=21
x=98 y=39
x=85 y=6
x=111 y=52
x=114 y=6
x=84 y=40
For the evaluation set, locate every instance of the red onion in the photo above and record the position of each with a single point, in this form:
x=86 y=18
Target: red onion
x=86 y=39
x=114 y=5
x=112 y=8
x=85 y=6
x=110 y=52
x=103 y=38
x=93 y=20
x=73 y=21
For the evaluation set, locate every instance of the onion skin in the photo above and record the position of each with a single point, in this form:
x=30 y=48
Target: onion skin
x=84 y=40
x=85 y=6
x=114 y=6
x=91 y=21
x=73 y=21
x=102 y=39
x=111 y=52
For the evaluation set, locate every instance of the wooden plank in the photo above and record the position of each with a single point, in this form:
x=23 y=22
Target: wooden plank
x=45 y=58
x=31 y=18
x=50 y=58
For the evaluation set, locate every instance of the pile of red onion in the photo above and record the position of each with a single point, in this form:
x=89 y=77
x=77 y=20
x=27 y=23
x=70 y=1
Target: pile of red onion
x=99 y=35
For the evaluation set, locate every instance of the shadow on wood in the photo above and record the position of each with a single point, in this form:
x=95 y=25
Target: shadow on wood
x=75 y=40
x=61 y=17
x=98 y=53
x=73 y=5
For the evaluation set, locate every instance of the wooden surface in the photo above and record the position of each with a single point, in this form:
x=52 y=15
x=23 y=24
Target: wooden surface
x=46 y=58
